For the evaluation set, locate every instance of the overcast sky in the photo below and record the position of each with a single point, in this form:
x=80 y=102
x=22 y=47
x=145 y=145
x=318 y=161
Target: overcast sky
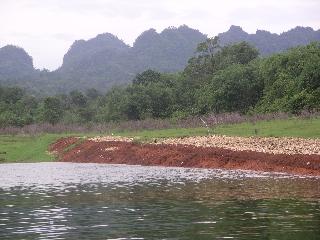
x=47 y=28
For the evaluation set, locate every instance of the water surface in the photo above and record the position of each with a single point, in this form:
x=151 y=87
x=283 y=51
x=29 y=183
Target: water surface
x=97 y=201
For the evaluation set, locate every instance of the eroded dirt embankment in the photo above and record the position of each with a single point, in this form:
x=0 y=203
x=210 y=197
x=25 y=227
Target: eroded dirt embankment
x=124 y=151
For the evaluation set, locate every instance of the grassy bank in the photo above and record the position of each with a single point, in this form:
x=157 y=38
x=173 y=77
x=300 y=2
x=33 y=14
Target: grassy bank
x=23 y=148
x=304 y=128
x=26 y=148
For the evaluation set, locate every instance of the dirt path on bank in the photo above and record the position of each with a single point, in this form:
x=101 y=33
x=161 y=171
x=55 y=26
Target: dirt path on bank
x=189 y=152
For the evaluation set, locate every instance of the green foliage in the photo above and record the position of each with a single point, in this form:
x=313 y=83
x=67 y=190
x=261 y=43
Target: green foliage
x=220 y=79
x=208 y=47
x=105 y=61
x=52 y=111
x=16 y=108
x=78 y=99
x=234 y=89
x=216 y=58
x=12 y=95
x=305 y=128
x=92 y=93
x=147 y=77
x=240 y=53
x=292 y=80
x=112 y=106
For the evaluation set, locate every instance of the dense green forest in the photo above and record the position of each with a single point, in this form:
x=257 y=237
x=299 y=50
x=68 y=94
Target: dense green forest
x=218 y=79
x=105 y=61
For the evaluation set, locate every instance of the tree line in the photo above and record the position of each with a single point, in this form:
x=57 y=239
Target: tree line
x=232 y=78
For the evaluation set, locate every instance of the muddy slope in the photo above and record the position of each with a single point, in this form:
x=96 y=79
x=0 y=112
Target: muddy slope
x=126 y=152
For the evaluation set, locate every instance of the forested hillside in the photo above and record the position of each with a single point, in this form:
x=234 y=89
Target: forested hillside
x=218 y=79
x=106 y=61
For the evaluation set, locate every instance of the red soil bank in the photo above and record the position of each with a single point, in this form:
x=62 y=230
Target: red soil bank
x=62 y=144
x=117 y=152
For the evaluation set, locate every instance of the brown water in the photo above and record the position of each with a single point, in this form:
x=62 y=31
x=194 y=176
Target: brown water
x=92 y=201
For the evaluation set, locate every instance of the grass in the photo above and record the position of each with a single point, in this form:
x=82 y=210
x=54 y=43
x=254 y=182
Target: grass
x=26 y=148
x=164 y=133
x=304 y=128
x=78 y=142
x=22 y=148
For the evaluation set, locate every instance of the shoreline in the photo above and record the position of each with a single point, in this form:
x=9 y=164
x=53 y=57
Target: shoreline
x=196 y=152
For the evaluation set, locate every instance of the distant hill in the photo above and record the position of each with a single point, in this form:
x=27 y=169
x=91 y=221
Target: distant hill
x=15 y=63
x=105 y=60
x=269 y=43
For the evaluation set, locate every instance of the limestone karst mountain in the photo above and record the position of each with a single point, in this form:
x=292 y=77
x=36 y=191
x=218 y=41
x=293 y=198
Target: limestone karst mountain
x=105 y=60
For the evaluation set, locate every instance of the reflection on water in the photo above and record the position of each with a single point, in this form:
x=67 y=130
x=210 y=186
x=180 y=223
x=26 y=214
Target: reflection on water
x=92 y=201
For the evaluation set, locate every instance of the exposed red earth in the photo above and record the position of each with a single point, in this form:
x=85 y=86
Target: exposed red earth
x=63 y=143
x=126 y=152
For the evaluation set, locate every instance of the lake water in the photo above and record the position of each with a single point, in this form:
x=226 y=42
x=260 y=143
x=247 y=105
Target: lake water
x=96 y=201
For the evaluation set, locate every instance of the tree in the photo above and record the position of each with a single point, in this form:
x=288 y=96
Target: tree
x=78 y=99
x=146 y=77
x=52 y=111
x=11 y=95
x=92 y=93
x=112 y=106
x=292 y=80
x=234 y=89
x=211 y=58
x=204 y=61
x=209 y=47
x=240 y=53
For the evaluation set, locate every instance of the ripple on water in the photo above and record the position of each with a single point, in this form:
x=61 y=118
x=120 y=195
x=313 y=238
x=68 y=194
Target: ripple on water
x=96 y=201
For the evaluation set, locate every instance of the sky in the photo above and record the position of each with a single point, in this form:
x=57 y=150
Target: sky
x=47 y=28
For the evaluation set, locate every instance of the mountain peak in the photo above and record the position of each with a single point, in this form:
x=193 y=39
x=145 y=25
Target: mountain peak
x=237 y=29
x=234 y=34
x=106 y=38
x=83 y=49
x=105 y=60
x=15 y=54
x=146 y=38
x=15 y=61
x=300 y=29
x=101 y=40
x=150 y=31
x=263 y=32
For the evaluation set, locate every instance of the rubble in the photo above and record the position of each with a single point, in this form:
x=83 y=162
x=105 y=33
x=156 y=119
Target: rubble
x=283 y=145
